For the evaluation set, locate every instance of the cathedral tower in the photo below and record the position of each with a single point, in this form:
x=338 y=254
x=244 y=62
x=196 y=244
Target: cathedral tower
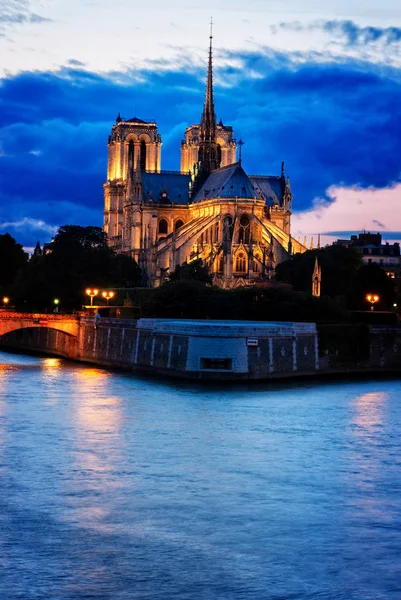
x=134 y=147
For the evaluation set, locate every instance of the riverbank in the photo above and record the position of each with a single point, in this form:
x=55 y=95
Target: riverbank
x=219 y=350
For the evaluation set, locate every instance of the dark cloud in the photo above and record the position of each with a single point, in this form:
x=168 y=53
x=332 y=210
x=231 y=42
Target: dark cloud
x=73 y=62
x=386 y=235
x=22 y=18
x=333 y=124
x=347 y=32
x=356 y=35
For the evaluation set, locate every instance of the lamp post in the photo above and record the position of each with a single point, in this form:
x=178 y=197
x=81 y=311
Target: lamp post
x=372 y=299
x=56 y=302
x=92 y=293
x=108 y=296
x=6 y=300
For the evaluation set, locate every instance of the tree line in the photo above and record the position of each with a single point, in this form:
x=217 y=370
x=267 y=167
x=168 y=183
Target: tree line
x=79 y=257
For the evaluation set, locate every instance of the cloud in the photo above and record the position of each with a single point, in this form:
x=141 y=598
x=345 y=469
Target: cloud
x=17 y=12
x=336 y=124
x=350 y=211
x=73 y=62
x=348 y=31
x=22 y=18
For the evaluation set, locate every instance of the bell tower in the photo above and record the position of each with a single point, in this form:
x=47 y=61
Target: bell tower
x=134 y=147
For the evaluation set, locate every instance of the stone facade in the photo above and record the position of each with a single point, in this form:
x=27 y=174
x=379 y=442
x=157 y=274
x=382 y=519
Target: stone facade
x=238 y=224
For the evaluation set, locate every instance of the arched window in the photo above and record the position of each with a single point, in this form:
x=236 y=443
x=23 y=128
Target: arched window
x=216 y=232
x=244 y=230
x=143 y=156
x=256 y=265
x=179 y=224
x=220 y=263
x=131 y=154
x=163 y=226
x=240 y=263
x=218 y=155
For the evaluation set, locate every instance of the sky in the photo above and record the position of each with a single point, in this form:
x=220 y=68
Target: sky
x=315 y=84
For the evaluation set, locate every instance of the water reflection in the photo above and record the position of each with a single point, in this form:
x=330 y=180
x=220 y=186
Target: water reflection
x=113 y=486
x=369 y=411
x=96 y=420
x=367 y=451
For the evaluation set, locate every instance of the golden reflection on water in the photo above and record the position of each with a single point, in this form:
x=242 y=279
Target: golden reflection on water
x=96 y=418
x=370 y=414
x=51 y=365
x=370 y=411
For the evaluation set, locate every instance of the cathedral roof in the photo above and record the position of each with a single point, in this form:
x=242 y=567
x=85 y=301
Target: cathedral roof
x=136 y=120
x=232 y=182
x=226 y=182
x=271 y=187
x=174 y=184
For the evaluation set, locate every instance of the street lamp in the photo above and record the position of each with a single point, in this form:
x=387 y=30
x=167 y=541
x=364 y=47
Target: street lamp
x=372 y=299
x=56 y=302
x=92 y=293
x=6 y=300
x=108 y=296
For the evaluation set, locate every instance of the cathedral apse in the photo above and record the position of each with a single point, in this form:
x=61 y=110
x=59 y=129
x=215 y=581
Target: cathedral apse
x=238 y=224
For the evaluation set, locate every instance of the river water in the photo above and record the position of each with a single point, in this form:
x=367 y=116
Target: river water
x=117 y=487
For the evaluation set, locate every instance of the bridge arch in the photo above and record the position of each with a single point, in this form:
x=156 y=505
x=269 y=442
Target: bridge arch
x=43 y=333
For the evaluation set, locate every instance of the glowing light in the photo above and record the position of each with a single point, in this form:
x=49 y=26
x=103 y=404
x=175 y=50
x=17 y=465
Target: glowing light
x=92 y=292
x=108 y=296
x=6 y=300
x=372 y=299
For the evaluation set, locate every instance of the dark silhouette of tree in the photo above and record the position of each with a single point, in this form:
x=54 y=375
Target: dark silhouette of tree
x=339 y=267
x=371 y=279
x=188 y=299
x=193 y=271
x=76 y=259
x=13 y=258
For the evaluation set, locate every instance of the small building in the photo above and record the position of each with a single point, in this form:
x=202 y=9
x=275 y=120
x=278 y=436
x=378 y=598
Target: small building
x=374 y=251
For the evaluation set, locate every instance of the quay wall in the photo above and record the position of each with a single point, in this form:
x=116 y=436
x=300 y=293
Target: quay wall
x=219 y=350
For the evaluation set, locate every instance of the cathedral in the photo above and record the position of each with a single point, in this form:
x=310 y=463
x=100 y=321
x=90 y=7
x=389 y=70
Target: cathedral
x=238 y=224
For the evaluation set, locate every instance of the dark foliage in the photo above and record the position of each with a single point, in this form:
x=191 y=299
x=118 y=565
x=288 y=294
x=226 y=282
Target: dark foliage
x=13 y=258
x=193 y=271
x=194 y=300
x=77 y=258
x=371 y=279
x=339 y=267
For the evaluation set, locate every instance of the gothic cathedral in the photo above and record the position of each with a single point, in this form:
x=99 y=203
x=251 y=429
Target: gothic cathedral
x=238 y=224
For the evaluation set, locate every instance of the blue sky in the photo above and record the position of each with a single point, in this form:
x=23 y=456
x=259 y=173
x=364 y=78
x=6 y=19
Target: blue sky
x=319 y=88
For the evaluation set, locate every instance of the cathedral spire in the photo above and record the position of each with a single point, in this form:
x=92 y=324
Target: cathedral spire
x=208 y=151
x=208 y=123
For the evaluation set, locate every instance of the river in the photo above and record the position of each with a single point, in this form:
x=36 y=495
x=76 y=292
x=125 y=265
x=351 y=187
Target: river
x=117 y=487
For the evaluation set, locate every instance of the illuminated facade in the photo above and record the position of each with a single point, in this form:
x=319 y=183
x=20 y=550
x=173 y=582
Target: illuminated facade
x=211 y=209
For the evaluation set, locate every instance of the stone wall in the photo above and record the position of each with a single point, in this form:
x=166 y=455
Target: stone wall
x=220 y=350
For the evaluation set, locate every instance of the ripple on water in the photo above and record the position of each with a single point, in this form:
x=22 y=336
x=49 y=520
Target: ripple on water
x=114 y=486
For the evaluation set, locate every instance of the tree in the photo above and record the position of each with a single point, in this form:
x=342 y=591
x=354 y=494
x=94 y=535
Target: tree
x=196 y=270
x=77 y=258
x=13 y=258
x=339 y=267
x=371 y=279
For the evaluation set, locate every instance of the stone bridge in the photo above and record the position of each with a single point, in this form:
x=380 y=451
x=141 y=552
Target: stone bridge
x=10 y=321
